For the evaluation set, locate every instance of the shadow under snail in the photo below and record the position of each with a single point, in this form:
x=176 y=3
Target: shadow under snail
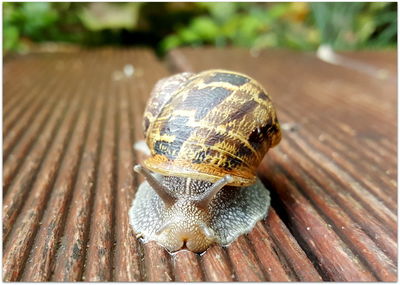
x=207 y=133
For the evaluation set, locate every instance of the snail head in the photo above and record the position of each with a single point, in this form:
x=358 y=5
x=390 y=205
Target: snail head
x=185 y=221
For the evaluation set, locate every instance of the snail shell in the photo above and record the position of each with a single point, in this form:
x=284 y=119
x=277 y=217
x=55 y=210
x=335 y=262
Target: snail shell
x=207 y=133
x=212 y=124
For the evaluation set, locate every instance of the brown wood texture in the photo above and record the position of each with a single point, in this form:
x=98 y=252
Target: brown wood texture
x=69 y=124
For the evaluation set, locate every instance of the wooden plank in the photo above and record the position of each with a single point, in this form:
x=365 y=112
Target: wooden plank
x=40 y=265
x=216 y=265
x=186 y=267
x=244 y=261
x=274 y=268
x=357 y=239
x=24 y=107
x=384 y=61
x=127 y=250
x=28 y=121
x=15 y=93
x=18 y=151
x=295 y=256
x=21 y=238
x=336 y=261
x=101 y=240
x=71 y=254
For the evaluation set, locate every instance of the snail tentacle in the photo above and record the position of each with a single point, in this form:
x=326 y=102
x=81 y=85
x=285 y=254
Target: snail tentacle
x=156 y=185
x=210 y=192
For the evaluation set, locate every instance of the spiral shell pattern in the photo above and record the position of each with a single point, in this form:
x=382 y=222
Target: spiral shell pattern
x=210 y=124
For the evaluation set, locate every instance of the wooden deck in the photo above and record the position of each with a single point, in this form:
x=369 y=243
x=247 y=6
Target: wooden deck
x=69 y=123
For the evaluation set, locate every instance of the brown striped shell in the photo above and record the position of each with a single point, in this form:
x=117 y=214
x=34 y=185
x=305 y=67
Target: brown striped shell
x=209 y=124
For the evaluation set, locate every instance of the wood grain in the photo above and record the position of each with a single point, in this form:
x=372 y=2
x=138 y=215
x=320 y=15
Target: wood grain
x=296 y=258
x=25 y=227
x=216 y=265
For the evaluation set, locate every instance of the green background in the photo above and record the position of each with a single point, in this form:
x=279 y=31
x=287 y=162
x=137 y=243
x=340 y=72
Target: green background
x=164 y=26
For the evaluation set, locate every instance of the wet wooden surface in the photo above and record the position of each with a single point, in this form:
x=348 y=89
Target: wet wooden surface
x=70 y=121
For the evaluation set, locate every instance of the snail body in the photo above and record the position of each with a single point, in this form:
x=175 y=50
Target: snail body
x=207 y=134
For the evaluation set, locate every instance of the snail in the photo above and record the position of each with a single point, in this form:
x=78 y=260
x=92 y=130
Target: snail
x=207 y=133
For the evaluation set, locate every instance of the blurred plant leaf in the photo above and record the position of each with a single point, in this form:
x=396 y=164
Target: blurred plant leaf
x=221 y=11
x=10 y=38
x=205 y=28
x=103 y=15
x=170 y=42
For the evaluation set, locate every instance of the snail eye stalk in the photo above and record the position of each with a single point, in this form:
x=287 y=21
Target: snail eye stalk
x=161 y=191
x=210 y=192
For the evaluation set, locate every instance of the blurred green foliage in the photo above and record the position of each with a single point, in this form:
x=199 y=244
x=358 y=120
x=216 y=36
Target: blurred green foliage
x=356 y=25
x=37 y=22
x=164 y=26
